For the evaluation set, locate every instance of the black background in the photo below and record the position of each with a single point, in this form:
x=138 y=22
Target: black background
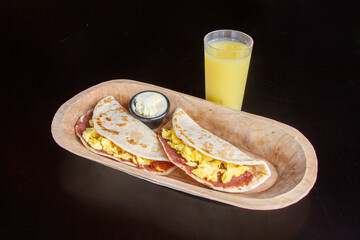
x=304 y=72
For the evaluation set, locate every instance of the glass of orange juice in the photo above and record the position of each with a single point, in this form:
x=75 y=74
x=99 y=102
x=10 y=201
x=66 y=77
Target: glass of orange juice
x=227 y=59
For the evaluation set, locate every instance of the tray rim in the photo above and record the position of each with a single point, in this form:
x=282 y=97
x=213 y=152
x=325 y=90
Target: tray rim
x=277 y=202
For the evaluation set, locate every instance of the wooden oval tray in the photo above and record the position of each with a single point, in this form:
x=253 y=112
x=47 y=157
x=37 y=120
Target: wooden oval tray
x=286 y=148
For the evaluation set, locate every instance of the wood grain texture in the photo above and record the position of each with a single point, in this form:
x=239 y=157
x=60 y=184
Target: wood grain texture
x=286 y=148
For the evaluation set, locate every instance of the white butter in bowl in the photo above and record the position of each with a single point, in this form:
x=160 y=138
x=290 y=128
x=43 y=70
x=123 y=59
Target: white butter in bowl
x=149 y=107
x=150 y=104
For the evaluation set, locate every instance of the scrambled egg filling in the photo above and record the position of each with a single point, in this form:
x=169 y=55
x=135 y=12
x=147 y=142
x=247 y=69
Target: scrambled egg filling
x=101 y=143
x=206 y=167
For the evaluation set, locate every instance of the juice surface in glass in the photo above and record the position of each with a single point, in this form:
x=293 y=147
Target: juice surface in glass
x=226 y=69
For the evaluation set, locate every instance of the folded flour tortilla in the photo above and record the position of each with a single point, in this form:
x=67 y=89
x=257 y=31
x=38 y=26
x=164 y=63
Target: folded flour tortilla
x=128 y=136
x=259 y=174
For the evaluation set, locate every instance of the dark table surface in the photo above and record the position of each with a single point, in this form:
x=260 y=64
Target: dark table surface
x=304 y=72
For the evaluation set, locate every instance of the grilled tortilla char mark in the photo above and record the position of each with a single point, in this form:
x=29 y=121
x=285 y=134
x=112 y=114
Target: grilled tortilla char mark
x=236 y=182
x=83 y=123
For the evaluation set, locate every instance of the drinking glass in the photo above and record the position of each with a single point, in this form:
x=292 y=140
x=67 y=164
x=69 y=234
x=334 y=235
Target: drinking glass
x=227 y=59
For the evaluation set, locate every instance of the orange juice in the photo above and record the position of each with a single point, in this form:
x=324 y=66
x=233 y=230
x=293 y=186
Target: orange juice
x=226 y=69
